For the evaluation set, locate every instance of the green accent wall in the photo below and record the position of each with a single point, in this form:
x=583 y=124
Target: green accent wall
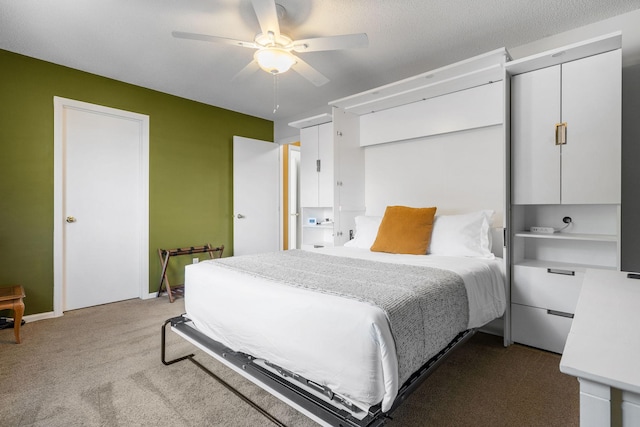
x=190 y=168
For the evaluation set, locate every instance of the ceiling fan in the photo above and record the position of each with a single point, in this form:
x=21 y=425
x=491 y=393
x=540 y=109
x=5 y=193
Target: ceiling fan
x=274 y=49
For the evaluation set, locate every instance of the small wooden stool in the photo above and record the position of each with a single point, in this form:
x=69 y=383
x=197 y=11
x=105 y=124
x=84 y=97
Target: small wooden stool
x=11 y=299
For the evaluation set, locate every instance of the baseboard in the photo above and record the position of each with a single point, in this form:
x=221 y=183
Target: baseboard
x=39 y=316
x=52 y=314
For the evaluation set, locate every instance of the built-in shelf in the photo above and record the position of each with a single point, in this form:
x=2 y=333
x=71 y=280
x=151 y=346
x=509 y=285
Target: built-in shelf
x=321 y=226
x=473 y=72
x=577 y=267
x=564 y=54
x=569 y=236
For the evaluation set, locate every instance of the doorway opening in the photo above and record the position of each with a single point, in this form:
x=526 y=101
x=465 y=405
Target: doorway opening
x=291 y=200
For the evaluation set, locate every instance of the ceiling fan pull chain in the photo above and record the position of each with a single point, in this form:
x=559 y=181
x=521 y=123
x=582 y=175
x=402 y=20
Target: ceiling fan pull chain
x=275 y=93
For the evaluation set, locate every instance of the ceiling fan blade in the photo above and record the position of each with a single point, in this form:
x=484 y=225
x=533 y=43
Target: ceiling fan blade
x=347 y=41
x=248 y=70
x=309 y=73
x=267 y=16
x=214 y=39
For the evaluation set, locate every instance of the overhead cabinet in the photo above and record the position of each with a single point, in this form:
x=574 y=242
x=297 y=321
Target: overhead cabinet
x=316 y=165
x=566 y=139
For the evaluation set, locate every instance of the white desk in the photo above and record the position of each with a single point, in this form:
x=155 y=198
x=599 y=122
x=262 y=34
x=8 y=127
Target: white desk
x=603 y=349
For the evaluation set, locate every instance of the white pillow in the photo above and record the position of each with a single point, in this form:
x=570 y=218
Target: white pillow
x=462 y=235
x=366 y=232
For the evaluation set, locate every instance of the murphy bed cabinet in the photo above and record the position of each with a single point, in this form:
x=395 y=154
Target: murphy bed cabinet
x=565 y=175
x=331 y=178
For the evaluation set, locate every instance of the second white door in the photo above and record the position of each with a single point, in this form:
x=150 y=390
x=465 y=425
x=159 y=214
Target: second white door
x=256 y=196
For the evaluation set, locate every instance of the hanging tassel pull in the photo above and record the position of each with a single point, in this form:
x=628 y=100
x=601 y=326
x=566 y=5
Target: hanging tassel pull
x=275 y=93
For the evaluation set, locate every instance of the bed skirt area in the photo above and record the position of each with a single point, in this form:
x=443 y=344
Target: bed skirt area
x=313 y=400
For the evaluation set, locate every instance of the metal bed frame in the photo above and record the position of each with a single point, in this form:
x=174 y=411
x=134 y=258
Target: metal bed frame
x=313 y=400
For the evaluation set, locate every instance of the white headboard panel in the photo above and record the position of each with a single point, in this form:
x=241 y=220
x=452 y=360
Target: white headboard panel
x=457 y=172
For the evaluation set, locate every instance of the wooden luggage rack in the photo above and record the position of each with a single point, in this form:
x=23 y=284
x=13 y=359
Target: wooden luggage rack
x=166 y=254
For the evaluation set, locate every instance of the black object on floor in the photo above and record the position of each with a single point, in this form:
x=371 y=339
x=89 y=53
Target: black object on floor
x=6 y=323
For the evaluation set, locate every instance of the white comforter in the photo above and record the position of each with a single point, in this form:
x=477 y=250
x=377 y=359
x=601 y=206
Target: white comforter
x=338 y=342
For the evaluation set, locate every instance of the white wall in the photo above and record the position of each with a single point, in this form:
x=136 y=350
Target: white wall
x=458 y=172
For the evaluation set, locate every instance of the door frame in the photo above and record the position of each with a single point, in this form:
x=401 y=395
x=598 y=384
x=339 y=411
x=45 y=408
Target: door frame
x=59 y=105
x=292 y=177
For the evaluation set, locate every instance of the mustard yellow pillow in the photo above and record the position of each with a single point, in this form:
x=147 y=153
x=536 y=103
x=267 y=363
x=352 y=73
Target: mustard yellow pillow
x=405 y=230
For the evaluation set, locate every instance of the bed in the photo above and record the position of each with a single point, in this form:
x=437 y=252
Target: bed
x=352 y=328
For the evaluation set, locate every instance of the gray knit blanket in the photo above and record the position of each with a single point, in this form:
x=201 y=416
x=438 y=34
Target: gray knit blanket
x=426 y=307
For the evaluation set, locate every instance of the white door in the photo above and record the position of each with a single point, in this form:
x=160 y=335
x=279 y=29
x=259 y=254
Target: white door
x=294 y=193
x=101 y=204
x=256 y=196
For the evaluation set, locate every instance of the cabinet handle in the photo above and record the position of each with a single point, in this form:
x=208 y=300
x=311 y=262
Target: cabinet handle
x=318 y=165
x=563 y=272
x=560 y=313
x=561 y=133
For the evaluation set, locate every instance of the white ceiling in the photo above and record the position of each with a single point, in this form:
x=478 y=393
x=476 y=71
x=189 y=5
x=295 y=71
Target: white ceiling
x=131 y=41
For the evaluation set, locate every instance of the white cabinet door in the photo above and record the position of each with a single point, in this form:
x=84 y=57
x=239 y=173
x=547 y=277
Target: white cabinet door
x=584 y=94
x=592 y=109
x=535 y=109
x=326 y=174
x=308 y=168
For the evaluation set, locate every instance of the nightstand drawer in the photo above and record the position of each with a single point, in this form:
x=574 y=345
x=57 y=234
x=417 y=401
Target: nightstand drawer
x=539 y=328
x=548 y=288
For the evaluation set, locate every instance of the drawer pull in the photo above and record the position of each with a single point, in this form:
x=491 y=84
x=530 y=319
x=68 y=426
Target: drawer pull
x=560 y=313
x=563 y=272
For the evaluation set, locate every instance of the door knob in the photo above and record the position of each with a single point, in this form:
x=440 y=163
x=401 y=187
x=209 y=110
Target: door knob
x=71 y=219
x=240 y=216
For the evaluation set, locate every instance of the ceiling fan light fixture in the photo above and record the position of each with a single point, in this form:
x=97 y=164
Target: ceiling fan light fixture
x=274 y=60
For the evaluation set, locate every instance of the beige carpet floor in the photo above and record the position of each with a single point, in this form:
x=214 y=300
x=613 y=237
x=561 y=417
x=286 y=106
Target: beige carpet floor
x=101 y=366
